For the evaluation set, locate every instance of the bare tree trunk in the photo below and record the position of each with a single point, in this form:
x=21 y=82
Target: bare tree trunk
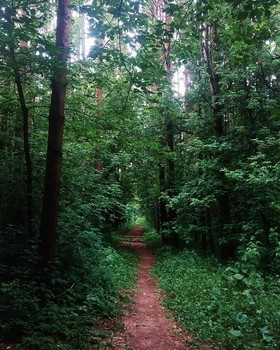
x=159 y=11
x=162 y=203
x=3 y=128
x=99 y=95
x=55 y=137
x=25 y=125
x=170 y=127
x=27 y=155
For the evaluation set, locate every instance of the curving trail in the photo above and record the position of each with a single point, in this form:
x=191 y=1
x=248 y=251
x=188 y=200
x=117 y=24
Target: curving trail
x=147 y=327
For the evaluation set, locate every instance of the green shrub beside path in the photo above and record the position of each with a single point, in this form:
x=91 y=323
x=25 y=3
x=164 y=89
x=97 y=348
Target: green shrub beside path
x=233 y=307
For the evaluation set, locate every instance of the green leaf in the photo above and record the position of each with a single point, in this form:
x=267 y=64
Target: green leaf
x=241 y=317
x=235 y=332
x=238 y=276
x=266 y=334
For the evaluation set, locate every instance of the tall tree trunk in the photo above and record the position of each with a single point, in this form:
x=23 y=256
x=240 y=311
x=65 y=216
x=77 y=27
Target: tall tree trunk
x=3 y=128
x=99 y=96
x=25 y=125
x=162 y=203
x=27 y=155
x=81 y=44
x=169 y=127
x=171 y=180
x=156 y=216
x=209 y=47
x=55 y=137
x=159 y=11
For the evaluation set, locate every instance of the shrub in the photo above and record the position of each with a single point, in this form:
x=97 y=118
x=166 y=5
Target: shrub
x=152 y=239
x=62 y=315
x=234 y=306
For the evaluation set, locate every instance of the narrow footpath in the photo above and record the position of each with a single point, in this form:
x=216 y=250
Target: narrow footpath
x=148 y=326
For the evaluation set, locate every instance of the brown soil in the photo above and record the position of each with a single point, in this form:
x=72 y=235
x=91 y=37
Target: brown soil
x=148 y=326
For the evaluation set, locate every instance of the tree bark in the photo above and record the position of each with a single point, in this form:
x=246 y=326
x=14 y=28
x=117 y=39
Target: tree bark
x=170 y=130
x=99 y=96
x=223 y=201
x=55 y=137
x=27 y=155
x=162 y=203
x=25 y=125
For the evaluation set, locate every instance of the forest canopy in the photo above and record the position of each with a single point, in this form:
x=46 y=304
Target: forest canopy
x=109 y=110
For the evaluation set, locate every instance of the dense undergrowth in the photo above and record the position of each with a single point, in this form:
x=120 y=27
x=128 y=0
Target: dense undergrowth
x=235 y=306
x=65 y=315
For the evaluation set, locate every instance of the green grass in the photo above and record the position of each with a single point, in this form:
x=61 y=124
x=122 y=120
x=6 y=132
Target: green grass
x=123 y=266
x=233 y=307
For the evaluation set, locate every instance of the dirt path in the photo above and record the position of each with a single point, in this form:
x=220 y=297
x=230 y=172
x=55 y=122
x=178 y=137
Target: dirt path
x=147 y=326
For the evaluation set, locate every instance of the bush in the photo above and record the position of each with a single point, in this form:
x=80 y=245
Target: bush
x=63 y=314
x=233 y=306
x=152 y=239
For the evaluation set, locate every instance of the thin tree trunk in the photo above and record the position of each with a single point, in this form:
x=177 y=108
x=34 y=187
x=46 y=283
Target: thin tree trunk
x=55 y=137
x=3 y=129
x=25 y=119
x=162 y=204
x=157 y=11
x=27 y=155
x=99 y=96
x=170 y=130
x=156 y=216
x=211 y=40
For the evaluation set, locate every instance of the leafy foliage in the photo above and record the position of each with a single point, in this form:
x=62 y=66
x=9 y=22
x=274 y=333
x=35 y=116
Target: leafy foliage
x=233 y=306
x=152 y=239
x=200 y=165
x=69 y=310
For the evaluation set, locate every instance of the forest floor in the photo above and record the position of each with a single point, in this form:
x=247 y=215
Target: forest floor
x=147 y=325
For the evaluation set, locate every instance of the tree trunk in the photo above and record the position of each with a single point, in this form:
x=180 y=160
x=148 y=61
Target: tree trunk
x=171 y=182
x=162 y=204
x=170 y=131
x=99 y=96
x=55 y=137
x=156 y=216
x=209 y=47
x=3 y=129
x=25 y=128
x=28 y=161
